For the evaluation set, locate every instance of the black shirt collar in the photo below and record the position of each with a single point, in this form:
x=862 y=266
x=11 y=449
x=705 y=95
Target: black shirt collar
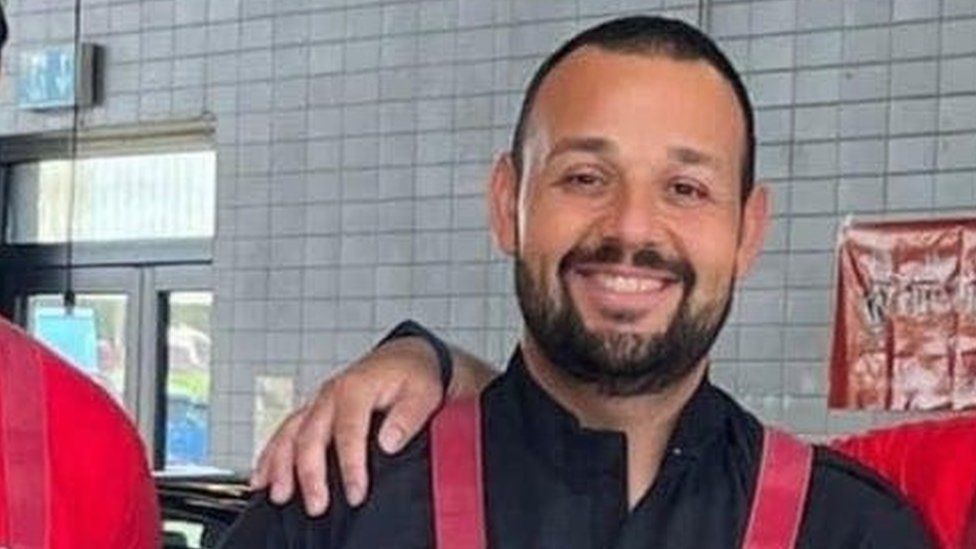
x=557 y=436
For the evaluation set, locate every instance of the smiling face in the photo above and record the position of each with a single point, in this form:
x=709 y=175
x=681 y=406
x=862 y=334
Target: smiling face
x=627 y=226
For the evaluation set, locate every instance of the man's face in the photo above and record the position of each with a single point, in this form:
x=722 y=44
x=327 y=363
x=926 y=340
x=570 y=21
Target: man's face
x=627 y=225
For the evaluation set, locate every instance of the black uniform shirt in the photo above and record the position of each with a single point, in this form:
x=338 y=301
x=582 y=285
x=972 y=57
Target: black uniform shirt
x=552 y=484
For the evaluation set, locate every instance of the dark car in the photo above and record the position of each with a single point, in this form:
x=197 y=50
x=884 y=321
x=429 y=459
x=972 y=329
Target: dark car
x=199 y=507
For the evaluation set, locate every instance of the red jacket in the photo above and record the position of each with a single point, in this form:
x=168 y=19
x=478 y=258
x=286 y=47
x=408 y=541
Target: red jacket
x=100 y=491
x=934 y=465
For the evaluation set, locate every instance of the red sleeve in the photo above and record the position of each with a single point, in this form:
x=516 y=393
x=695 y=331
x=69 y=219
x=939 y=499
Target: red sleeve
x=102 y=491
x=140 y=525
x=933 y=463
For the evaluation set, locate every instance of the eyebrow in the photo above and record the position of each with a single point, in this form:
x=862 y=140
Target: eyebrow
x=596 y=145
x=693 y=157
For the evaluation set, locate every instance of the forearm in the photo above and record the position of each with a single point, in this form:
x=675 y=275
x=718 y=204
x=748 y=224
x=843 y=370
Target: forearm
x=461 y=373
x=404 y=375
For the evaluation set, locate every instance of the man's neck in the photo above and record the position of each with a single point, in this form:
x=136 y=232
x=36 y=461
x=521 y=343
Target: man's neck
x=647 y=420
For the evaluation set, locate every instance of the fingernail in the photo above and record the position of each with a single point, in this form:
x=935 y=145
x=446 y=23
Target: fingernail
x=277 y=494
x=390 y=439
x=316 y=506
x=355 y=494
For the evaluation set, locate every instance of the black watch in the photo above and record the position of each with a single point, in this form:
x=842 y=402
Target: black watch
x=411 y=328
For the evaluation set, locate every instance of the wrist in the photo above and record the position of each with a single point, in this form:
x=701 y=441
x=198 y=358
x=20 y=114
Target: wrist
x=414 y=351
x=435 y=349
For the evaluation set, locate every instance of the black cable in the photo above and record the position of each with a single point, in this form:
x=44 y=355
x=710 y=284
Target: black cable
x=69 y=293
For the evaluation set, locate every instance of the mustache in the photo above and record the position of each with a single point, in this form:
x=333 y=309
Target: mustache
x=613 y=252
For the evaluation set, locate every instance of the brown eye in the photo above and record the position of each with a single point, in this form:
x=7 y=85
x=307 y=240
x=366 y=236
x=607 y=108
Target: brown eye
x=687 y=193
x=584 y=180
x=687 y=190
x=584 y=183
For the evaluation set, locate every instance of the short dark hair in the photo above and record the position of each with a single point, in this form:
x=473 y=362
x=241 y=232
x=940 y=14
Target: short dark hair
x=651 y=35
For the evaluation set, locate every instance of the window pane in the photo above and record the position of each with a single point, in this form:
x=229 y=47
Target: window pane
x=188 y=380
x=155 y=196
x=91 y=336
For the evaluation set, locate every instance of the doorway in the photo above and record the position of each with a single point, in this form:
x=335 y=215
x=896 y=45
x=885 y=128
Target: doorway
x=141 y=332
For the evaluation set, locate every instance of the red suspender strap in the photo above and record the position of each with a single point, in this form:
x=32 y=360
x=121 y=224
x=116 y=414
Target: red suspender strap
x=455 y=439
x=777 y=510
x=781 y=491
x=24 y=431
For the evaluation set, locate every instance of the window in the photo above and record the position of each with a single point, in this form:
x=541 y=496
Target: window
x=188 y=348
x=115 y=198
x=92 y=335
x=129 y=228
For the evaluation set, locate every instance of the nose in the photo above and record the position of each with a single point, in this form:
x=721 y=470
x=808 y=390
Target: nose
x=635 y=217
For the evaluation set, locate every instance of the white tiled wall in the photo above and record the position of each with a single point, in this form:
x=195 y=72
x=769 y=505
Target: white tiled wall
x=354 y=137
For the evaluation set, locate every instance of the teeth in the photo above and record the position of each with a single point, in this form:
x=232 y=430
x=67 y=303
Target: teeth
x=627 y=284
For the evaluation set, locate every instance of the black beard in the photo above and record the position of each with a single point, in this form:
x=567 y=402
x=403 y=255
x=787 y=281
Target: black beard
x=620 y=364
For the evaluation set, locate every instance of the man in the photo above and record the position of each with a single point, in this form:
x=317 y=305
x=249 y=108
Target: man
x=73 y=470
x=930 y=462
x=627 y=202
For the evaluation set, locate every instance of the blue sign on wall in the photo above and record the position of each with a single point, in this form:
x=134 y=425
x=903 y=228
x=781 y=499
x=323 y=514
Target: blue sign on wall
x=49 y=77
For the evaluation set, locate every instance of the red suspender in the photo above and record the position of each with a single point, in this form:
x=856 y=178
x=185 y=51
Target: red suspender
x=774 y=523
x=24 y=429
x=455 y=438
x=781 y=492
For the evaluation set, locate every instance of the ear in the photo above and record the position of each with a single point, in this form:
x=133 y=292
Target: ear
x=503 y=204
x=755 y=222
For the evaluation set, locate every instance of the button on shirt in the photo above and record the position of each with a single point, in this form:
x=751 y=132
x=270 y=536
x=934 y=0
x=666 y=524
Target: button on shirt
x=553 y=484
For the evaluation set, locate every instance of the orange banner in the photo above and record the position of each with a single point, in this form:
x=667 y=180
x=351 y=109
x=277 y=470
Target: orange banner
x=905 y=316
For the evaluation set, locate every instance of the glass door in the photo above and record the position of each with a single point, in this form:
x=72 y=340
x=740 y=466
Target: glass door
x=141 y=332
x=182 y=306
x=186 y=380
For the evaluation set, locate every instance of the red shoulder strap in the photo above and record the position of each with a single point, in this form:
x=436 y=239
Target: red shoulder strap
x=455 y=439
x=781 y=492
x=23 y=425
x=456 y=475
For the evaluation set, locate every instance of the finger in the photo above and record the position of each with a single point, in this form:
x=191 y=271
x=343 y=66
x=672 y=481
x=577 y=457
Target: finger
x=311 y=447
x=261 y=475
x=262 y=469
x=351 y=434
x=410 y=411
x=278 y=456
